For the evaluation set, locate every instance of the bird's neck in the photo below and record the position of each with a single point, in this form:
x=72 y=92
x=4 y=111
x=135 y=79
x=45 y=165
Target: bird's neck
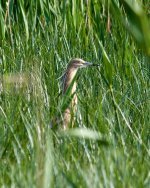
x=68 y=78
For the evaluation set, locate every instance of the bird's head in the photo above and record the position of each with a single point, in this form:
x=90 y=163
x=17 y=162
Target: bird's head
x=79 y=63
x=72 y=69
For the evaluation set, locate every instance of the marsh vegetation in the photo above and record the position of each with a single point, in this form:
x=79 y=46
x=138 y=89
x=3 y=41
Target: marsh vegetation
x=111 y=148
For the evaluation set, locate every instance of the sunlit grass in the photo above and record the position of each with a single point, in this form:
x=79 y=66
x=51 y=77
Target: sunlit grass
x=110 y=146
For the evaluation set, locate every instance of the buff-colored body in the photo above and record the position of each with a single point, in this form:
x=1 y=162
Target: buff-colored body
x=70 y=112
x=71 y=109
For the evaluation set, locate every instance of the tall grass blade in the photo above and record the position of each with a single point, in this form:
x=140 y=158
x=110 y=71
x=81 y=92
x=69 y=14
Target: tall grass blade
x=25 y=20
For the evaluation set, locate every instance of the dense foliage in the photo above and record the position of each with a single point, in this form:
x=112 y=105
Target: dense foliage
x=111 y=146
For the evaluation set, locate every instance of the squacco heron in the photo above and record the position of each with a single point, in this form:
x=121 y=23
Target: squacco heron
x=68 y=77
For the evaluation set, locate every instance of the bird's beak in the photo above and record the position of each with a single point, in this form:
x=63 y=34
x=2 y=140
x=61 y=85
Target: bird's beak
x=88 y=63
x=91 y=64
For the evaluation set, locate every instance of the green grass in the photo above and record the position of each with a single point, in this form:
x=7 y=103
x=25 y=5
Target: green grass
x=111 y=146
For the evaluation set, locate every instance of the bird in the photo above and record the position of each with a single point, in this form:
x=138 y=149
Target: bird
x=68 y=77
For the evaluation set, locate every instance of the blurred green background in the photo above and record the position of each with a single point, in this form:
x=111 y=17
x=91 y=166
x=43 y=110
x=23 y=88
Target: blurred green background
x=111 y=147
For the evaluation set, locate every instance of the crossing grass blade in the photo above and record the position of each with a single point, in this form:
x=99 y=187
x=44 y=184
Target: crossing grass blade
x=84 y=134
